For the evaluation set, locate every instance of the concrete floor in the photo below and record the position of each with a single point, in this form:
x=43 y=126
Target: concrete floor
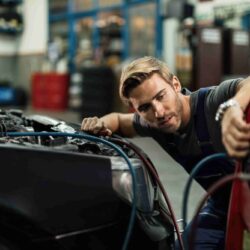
x=172 y=176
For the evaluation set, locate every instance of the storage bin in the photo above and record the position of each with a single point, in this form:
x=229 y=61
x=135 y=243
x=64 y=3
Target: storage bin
x=50 y=91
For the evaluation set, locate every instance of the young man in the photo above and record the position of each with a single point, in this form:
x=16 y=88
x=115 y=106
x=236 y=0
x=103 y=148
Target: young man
x=184 y=124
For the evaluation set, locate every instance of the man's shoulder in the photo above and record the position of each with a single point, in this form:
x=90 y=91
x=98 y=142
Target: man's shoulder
x=231 y=81
x=226 y=89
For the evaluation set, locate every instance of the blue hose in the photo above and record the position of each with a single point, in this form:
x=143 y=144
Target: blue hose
x=194 y=172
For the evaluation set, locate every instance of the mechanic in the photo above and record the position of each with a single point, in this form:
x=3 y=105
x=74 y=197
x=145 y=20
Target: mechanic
x=184 y=124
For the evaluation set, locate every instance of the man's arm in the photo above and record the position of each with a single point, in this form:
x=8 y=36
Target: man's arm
x=235 y=130
x=110 y=123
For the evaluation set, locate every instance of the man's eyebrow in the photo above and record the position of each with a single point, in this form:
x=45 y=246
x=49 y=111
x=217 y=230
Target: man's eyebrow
x=158 y=93
x=162 y=90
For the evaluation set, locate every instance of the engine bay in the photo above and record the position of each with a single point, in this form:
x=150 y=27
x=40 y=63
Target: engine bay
x=16 y=121
x=51 y=170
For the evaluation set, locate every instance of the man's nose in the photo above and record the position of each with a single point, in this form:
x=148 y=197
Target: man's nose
x=158 y=109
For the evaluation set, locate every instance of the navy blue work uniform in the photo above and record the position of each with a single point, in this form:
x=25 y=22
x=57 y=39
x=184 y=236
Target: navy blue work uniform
x=211 y=226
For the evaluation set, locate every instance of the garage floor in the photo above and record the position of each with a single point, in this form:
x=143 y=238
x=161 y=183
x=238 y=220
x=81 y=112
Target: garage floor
x=172 y=175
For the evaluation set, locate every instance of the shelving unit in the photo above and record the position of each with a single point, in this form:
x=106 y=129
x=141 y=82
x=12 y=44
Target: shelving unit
x=103 y=31
x=10 y=2
x=11 y=21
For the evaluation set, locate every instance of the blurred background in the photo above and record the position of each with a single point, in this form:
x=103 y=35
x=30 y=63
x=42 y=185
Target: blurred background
x=64 y=57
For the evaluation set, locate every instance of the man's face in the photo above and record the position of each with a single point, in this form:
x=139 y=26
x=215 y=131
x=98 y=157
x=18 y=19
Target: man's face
x=158 y=103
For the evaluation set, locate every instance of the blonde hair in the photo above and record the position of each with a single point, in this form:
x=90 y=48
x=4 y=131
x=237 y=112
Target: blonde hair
x=138 y=71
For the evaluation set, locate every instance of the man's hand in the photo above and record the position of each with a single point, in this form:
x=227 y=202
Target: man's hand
x=95 y=125
x=235 y=132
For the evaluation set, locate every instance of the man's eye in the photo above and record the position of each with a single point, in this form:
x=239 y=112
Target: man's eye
x=160 y=97
x=144 y=108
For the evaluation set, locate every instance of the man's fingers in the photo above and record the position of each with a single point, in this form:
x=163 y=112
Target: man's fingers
x=105 y=132
x=89 y=124
x=95 y=125
x=236 y=134
x=237 y=154
x=240 y=125
x=235 y=143
x=239 y=135
x=236 y=148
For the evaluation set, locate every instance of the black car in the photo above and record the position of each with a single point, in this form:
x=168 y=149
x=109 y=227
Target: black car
x=61 y=188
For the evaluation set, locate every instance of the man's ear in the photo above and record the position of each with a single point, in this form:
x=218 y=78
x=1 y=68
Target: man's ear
x=176 y=84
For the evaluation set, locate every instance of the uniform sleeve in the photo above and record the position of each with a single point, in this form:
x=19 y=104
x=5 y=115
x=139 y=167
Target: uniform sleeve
x=140 y=126
x=222 y=92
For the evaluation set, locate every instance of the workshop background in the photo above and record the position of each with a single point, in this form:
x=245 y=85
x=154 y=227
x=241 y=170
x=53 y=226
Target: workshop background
x=63 y=58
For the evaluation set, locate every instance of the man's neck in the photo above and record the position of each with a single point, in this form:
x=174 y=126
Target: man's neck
x=185 y=101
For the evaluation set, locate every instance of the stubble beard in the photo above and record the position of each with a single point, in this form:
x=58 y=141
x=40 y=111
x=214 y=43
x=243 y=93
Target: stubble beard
x=176 y=115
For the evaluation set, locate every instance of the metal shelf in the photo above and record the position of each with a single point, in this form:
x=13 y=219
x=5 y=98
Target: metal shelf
x=73 y=16
x=11 y=21
x=10 y=3
x=10 y=31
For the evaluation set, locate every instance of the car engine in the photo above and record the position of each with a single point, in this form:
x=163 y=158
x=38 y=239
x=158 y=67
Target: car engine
x=64 y=189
